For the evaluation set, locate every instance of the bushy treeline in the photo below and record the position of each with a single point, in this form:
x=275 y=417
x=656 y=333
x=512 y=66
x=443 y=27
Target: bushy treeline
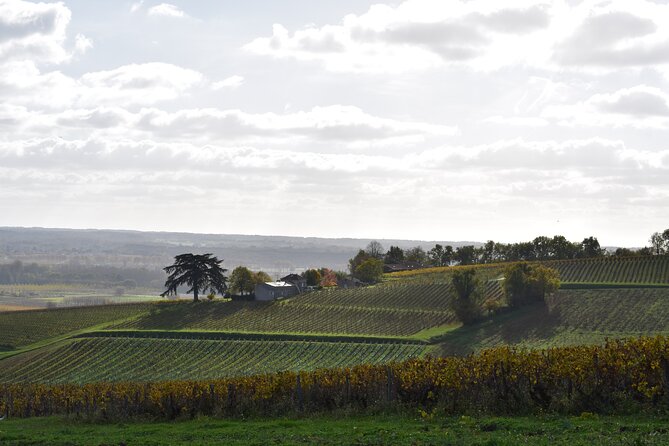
x=540 y=248
x=620 y=375
x=18 y=272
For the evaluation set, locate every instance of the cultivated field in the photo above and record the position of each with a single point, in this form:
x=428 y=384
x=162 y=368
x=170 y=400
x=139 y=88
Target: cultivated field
x=603 y=299
x=113 y=359
x=20 y=328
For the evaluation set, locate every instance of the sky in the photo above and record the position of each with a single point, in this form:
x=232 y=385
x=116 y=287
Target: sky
x=415 y=119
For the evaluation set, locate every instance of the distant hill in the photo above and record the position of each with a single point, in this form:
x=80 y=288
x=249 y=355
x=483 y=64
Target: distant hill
x=153 y=250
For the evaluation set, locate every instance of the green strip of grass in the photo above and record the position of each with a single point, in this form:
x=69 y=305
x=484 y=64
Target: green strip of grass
x=366 y=430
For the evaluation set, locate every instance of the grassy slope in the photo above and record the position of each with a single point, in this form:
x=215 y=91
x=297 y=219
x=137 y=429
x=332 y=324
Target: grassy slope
x=362 y=430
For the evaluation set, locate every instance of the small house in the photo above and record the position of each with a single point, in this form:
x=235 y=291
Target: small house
x=275 y=290
x=297 y=280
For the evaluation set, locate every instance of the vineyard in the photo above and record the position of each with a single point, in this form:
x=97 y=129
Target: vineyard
x=620 y=375
x=286 y=318
x=630 y=270
x=383 y=310
x=21 y=328
x=127 y=359
x=570 y=317
x=639 y=270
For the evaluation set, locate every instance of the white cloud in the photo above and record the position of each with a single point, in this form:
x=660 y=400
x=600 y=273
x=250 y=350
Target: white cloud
x=484 y=35
x=166 y=10
x=639 y=107
x=82 y=43
x=33 y=31
x=230 y=82
x=136 y=6
x=145 y=84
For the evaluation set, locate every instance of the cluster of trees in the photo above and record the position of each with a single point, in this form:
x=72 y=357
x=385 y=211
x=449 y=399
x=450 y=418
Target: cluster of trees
x=523 y=284
x=367 y=265
x=243 y=281
x=541 y=248
x=323 y=277
x=659 y=242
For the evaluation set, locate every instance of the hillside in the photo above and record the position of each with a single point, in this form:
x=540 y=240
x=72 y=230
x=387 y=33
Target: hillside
x=408 y=315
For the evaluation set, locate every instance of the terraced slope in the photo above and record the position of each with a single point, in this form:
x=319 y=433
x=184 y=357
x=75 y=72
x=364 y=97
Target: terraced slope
x=112 y=359
x=570 y=317
x=20 y=328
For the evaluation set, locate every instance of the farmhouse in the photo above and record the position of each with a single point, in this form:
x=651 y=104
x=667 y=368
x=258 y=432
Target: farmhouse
x=297 y=280
x=275 y=290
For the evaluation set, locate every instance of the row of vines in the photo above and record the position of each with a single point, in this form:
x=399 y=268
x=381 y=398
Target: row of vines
x=287 y=317
x=129 y=359
x=26 y=327
x=639 y=269
x=621 y=374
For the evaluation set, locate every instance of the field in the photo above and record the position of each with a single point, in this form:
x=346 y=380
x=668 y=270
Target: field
x=113 y=359
x=570 y=317
x=603 y=299
x=56 y=295
x=630 y=270
x=21 y=328
x=383 y=429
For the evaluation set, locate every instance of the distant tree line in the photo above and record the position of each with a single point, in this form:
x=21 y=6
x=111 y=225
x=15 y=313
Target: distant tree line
x=366 y=264
x=18 y=272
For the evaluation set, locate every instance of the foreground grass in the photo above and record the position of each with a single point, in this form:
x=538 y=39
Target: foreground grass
x=367 y=430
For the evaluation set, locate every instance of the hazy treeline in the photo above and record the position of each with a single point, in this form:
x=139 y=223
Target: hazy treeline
x=31 y=273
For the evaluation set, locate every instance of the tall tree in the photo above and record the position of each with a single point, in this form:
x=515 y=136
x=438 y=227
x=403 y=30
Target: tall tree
x=466 y=255
x=436 y=255
x=525 y=283
x=200 y=272
x=591 y=248
x=416 y=254
x=466 y=287
x=360 y=257
x=313 y=277
x=369 y=271
x=394 y=255
x=374 y=249
x=657 y=243
x=242 y=280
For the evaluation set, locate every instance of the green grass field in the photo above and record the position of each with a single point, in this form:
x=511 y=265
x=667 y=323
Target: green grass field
x=355 y=429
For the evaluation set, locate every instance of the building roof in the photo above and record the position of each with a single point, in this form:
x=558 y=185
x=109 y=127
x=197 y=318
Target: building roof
x=291 y=277
x=278 y=284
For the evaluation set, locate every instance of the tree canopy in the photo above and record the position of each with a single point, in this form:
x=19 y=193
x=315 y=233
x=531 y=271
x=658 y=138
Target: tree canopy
x=242 y=280
x=369 y=271
x=525 y=283
x=464 y=305
x=201 y=272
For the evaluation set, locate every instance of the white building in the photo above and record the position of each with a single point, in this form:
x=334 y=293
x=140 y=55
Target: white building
x=275 y=290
